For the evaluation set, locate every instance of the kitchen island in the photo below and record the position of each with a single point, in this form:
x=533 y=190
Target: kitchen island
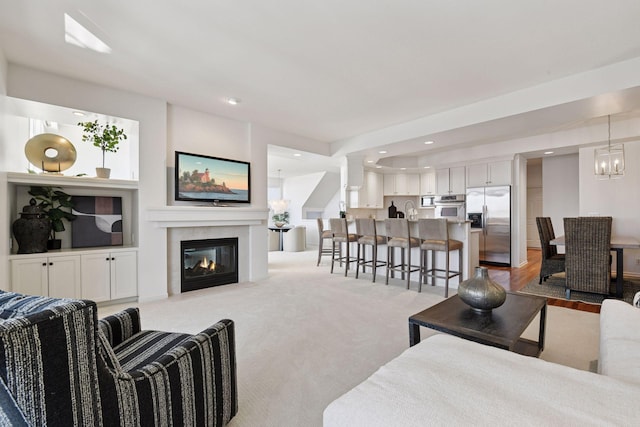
x=458 y=230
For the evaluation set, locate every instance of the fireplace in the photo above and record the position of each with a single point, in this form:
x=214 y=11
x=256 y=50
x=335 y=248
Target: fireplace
x=209 y=262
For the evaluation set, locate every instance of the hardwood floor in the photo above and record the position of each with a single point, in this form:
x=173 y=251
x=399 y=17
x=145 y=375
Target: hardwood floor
x=514 y=279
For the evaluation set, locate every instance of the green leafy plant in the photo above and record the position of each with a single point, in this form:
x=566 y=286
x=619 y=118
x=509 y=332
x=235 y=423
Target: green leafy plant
x=56 y=204
x=281 y=217
x=105 y=137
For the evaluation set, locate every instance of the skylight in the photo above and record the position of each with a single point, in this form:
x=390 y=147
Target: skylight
x=77 y=35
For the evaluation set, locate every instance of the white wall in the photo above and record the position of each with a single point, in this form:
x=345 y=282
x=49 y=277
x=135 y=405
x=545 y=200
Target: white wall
x=519 y=215
x=560 y=189
x=3 y=73
x=617 y=198
x=30 y=84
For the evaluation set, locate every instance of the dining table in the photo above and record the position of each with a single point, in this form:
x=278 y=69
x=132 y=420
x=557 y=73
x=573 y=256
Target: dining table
x=618 y=244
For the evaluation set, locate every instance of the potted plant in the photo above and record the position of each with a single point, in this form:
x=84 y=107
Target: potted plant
x=105 y=137
x=57 y=205
x=280 y=219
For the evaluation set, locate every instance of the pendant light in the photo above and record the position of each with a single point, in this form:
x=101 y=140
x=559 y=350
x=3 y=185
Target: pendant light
x=609 y=161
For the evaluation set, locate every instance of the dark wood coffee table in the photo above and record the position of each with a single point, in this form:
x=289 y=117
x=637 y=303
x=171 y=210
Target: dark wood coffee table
x=501 y=328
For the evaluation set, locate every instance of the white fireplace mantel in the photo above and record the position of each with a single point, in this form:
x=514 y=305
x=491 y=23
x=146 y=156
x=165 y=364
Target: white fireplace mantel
x=206 y=216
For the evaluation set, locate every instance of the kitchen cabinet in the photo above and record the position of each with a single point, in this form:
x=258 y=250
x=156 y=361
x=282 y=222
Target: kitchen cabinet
x=494 y=173
x=109 y=275
x=370 y=194
x=402 y=184
x=451 y=181
x=428 y=183
x=53 y=276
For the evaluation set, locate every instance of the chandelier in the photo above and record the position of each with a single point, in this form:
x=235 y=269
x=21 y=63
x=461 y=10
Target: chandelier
x=609 y=161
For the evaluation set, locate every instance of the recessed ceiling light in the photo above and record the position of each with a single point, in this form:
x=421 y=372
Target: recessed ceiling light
x=78 y=113
x=234 y=101
x=548 y=152
x=382 y=152
x=427 y=167
x=297 y=155
x=403 y=169
x=369 y=161
x=77 y=35
x=378 y=167
x=428 y=142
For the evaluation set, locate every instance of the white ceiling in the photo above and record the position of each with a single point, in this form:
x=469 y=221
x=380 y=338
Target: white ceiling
x=330 y=70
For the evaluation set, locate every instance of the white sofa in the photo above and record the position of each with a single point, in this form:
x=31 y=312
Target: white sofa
x=446 y=380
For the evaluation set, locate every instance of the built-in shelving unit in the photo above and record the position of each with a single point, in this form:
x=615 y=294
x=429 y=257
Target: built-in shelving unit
x=72 y=272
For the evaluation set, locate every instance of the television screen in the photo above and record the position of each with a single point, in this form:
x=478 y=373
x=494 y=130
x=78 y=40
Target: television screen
x=211 y=179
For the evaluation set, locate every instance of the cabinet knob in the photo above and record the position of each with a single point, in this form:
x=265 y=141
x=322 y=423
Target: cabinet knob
x=106 y=259
x=50 y=263
x=44 y=264
x=113 y=259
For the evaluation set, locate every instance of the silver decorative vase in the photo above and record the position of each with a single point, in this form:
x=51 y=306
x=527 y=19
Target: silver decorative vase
x=482 y=293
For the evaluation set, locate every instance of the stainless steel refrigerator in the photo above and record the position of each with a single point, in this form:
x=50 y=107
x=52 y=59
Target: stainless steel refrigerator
x=489 y=208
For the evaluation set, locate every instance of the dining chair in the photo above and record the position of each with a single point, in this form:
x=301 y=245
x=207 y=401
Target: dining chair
x=434 y=233
x=341 y=235
x=588 y=250
x=552 y=261
x=368 y=236
x=399 y=236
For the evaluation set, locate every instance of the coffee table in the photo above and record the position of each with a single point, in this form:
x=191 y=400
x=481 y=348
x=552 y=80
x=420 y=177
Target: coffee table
x=501 y=328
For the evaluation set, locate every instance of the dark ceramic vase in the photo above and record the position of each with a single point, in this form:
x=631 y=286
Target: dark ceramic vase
x=481 y=292
x=32 y=229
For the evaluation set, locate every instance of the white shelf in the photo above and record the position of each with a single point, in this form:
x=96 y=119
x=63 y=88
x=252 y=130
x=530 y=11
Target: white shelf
x=206 y=216
x=70 y=181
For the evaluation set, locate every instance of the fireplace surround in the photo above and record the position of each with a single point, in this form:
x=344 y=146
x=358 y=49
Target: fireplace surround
x=208 y=262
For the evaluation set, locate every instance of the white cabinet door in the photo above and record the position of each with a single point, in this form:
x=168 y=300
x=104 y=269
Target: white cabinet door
x=29 y=276
x=427 y=183
x=124 y=275
x=389 y=181
x=442 y=181
x=457 y=181
x=96 y=280
x=499 y=173
x=477 y=175
x=377 y=196
x=401 y=184
x=413 y=184
x=57 y=277
x=64 y=276
x=494 y=173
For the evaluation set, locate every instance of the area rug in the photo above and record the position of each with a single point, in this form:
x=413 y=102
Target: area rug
x=553 y=287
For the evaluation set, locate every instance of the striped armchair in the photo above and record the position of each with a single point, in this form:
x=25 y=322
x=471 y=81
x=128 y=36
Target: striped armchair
x=61 y=366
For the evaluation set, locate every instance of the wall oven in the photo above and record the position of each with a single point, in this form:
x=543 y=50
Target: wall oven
x=451 y=206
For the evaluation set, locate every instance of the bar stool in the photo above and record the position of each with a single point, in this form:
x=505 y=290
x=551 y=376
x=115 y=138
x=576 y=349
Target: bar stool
x=341 y=235
x=435 y=238
x=399 y=236
x=368 y=236
x=322 y=235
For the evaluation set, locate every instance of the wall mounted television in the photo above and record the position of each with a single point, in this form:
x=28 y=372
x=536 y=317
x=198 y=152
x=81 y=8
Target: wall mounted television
x=211 y=179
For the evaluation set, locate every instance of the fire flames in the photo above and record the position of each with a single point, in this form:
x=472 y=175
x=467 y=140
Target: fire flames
x=210 y=265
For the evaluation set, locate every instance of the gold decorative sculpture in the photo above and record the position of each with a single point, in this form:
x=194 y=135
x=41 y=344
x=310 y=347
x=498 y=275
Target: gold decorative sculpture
x=50 y=152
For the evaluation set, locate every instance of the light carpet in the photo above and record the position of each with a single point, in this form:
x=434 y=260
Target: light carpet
x=305 y=336
x=554 y=287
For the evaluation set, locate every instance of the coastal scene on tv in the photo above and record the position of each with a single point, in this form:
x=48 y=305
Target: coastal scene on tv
x=212 y=179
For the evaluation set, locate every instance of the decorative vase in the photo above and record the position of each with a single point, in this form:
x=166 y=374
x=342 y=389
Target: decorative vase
x=32 y=229
x=481 y=292
x=103 y=172
x=393 y=211
x=279 y=224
